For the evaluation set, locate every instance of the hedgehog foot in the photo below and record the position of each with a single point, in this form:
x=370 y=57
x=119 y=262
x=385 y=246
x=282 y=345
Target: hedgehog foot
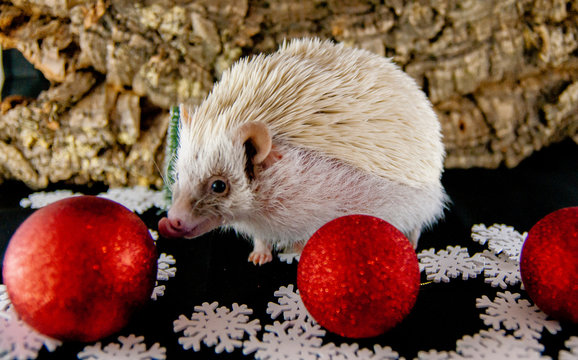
x=261 y=253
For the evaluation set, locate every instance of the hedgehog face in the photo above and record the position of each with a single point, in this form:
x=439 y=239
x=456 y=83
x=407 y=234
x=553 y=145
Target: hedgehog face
x=213 y=182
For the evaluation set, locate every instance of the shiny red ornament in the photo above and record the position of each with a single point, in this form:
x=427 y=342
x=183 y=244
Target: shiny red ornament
x=549 y=264
x=78 y=269
x=358 y=276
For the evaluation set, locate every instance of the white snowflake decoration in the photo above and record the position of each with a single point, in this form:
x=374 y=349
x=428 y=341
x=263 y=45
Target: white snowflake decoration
x=137 y=198
x=158 y=291
x=488 y=344
x=495 y=344
x=434 y=355
x=18 y=340
x=500 y=238
x=5 y=302
x=40 y=199
x=290 y=305
x=219 y=327
x=165 y=268
x=449 y=263
x=286 y=340
x=508 y=310
x=300 y=337
x=131 y=347
x=154 y=235
x=499 y=270
x=379 y=353
x=571 y=344
x=353 y=352
x=165 y=271
x=289 y=258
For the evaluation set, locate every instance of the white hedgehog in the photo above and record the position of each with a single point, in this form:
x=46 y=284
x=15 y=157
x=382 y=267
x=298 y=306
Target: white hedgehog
x=286 y=142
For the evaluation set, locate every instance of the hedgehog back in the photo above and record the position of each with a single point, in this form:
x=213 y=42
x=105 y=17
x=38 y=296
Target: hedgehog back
x=345 y=103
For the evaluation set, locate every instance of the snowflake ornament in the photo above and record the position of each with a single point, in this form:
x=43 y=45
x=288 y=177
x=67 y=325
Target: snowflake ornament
x=499 y=270
x=346 y=351
x=165 y=271
x=137 y=198
x=289 y=258
x=449 y=263
x=286 y=340
x=353 y=352
x=508 y=310
x=488 y=344
x=5 y=302
x=18 y=340
x=158 y=291
x=571 y=344
x=290 y=305
x=131 y=347
x=500 y=239
x=219 y=327
x=165 y=268
x=495 y=344
x=380 y=353
x=300 y=337
x=40 y=199
x=434 y=355
x=154 y=235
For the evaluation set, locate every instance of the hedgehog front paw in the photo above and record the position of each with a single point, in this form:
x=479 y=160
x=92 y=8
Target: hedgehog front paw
x=261 y=253
x=259 y=258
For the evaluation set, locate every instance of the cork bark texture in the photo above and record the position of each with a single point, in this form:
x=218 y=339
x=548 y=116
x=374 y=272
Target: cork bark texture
x=502 y=74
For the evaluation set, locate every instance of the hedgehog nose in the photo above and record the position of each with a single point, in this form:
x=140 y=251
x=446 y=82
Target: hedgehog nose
x=171 y=228
x=177 y=223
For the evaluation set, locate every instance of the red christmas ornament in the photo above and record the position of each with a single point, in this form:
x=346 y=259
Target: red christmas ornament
x=358 y=276
x=78 y=268
x=549 y=265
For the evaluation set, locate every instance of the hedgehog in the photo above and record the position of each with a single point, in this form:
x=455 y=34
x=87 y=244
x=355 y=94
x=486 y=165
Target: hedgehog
x=289 y=141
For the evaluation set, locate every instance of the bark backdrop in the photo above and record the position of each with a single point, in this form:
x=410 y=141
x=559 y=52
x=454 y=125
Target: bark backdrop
x=502 y=74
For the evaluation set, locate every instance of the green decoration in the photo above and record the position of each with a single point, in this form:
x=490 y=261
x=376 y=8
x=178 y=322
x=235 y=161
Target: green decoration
x=171 y=151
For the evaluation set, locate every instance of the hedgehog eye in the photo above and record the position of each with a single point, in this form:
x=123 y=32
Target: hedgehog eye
x=219 y=186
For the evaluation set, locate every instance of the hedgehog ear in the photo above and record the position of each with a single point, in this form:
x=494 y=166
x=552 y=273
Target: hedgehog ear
x=258 y=135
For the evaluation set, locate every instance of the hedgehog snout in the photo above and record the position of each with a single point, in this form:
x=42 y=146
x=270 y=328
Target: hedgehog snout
x=171 y=228
x=189 y=227
x=176 y=224
x=183 y=221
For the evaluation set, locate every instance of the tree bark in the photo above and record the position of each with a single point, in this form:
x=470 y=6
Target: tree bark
x=502 y=74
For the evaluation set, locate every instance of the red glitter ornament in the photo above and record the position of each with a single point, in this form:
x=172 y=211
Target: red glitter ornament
x=549 y=265
x=358 y=276
x=79 y=268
